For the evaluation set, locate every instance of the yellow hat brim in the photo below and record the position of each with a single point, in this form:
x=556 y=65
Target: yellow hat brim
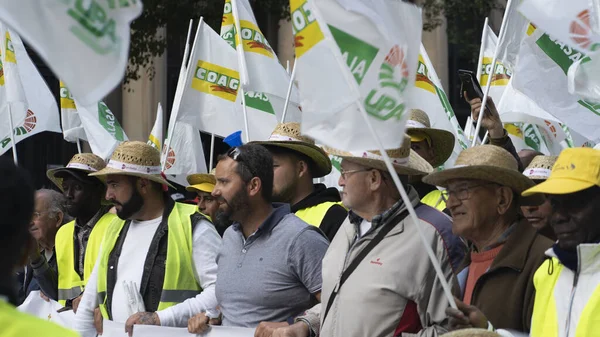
x=203 y=187
x=559 y=186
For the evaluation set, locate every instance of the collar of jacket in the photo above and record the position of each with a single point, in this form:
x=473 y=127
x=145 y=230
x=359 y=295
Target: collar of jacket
x=514 y=254
x=319 y=195
x=588 y=256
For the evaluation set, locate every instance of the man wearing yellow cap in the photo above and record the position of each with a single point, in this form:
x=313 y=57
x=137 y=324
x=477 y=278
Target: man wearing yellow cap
x=567 y=284
x=203 y=184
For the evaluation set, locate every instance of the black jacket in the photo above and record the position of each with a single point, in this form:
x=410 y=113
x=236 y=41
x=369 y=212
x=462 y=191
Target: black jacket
x=336 y=214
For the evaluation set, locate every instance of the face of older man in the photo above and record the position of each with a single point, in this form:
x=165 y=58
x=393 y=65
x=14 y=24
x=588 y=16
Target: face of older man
x=474 y=205
x=354 y=183
x=45 y=222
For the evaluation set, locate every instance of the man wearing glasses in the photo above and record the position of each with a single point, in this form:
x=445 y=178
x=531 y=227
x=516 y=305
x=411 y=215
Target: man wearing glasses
x=483 y=194
x=270 y=260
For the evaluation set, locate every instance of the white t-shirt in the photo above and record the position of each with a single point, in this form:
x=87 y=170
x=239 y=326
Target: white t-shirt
x=130 y=269
x=364 y=227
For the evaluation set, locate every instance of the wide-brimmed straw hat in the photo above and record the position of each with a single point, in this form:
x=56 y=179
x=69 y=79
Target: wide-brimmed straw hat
x=405 y=160
x=78 y=167
x=136 y=159
x=203 y=182
x=418 y=127
x=488 y=163
x=472 y=333
x=288 y=136
x=540 y=167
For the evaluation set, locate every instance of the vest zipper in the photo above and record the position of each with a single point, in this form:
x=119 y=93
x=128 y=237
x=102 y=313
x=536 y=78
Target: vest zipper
x=572 y=299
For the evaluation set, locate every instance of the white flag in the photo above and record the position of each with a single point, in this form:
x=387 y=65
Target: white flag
x=71 y=123
x=84 y=42
x=186 y=154
x=14 y=100
x=210 y=99
x=41 y=110
x=542 y=76
x=429 y=96
x=355 y=53
x=514 y=32
x=101 y=128
x=501 y=74
x=156 y=135
x=265 y=73
x=35 y=305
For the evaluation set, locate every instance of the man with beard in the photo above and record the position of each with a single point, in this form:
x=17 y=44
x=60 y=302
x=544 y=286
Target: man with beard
x=279 y=253
x=296 y=162
x=157 y=263
x=78 y=242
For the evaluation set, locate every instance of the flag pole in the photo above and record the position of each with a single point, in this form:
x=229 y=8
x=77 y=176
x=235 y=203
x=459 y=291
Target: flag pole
x=482 y=48
x=287 y=66
x=388 y=163
x=242 y=62
x=289 y=92
x=212 y=151
x=12 y=134
x=246 y=129
x=179 y=89
x=78 y=145
x=490 y=76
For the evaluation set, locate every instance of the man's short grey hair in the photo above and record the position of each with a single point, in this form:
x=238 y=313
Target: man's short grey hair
x=57 y=203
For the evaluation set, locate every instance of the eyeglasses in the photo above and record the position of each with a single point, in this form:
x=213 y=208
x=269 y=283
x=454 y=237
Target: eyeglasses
x=462 y=193
x=234 y=153
x=345 y=173
x=37 y=215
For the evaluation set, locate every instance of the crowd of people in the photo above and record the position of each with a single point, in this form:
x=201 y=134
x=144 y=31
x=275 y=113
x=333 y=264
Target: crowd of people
x=267 y=248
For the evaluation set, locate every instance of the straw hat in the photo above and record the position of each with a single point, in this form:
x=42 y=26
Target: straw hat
x=540 y=167
x=287 y=135
x=442 y=141
x=79 y=166
x=203 y=182
x=471 y=333
x=136 y=159
x=489 y=163
x=405 y=160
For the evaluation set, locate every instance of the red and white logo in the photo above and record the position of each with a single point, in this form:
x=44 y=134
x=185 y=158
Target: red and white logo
x=580 y=30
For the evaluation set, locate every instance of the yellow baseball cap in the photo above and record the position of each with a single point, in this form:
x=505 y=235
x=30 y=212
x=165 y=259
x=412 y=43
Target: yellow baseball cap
x=202 y=182
x=575 y=170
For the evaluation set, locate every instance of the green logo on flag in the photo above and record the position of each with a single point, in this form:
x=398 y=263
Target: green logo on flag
x=109 y=122
x=259 y=101
x=561 y=53
x=336 y=162
x=531 y=138
x=358 y=54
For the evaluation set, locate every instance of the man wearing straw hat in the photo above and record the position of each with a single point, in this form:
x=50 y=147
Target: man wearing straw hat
x=433 y=145
x=78 y=242
x=296 y=162
x=393 y=289
x=157 y=263
x=270 y=261
x=482 y=193
x=16 y=206
x=568 y=282
x=539 y=215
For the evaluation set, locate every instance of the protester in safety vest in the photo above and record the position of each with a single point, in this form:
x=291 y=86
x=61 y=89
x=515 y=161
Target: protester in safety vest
x=203 y=184
x=413 y=301
x=296 y=162
x=17 y=207
x=539 y=216
x=482 y=193
x=433 y=145
x=567 y=284
x=270 y=261
x=50 y=213
x=157 y=261
x=78 y=242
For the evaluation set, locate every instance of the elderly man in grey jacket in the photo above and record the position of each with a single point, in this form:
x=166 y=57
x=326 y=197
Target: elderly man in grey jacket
x=393 y=289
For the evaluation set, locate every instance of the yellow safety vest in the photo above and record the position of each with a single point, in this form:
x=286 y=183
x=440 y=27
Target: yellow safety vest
x=18 y=324
x=434 y=199
x=70 y=284
x=546 y=314
x=179 y=283
x=314 y=215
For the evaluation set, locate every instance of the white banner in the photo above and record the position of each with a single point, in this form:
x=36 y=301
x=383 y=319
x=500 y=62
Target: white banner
x=186 y=154
x=352 y=53
x=156 y=135
x=113 y=329
x=85 y=43
x=36 y=306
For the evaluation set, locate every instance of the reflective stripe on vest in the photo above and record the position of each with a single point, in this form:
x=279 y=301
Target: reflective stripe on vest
x=179 y=283
x=434 y=199
x=70 y=284
x=314 y=215
x=550 y=315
